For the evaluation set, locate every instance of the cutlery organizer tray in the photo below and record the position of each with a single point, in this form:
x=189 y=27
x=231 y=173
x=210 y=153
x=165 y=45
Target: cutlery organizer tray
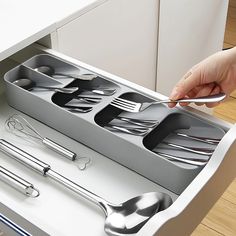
x=138 y=153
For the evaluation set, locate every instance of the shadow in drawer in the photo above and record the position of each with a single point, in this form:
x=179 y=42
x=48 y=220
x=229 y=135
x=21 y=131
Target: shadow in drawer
x=184 y=139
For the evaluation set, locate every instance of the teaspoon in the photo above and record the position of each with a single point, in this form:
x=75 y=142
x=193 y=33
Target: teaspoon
x=29 y=84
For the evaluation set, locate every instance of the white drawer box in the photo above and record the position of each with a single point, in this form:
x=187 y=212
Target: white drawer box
x=59 y=212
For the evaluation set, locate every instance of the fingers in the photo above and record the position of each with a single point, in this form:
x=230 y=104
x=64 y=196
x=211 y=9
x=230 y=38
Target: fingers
x=189 y=81
x=201 y=91
x=185 y=86
x=216 y=90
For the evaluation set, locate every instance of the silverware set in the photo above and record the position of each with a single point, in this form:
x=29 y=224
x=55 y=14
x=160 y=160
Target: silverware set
x=133 y=126
x=88 y=95
x=143 y=126
x=205 y=152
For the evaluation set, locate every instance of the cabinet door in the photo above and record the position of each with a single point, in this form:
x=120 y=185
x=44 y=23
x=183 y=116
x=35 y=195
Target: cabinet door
x=189 y=31
x=118 y=36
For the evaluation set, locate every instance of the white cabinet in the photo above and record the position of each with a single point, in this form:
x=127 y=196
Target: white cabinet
x=151 y=43
x=189 y=31
x=118 y=36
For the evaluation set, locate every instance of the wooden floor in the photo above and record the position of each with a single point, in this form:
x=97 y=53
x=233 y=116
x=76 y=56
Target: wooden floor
x=221 y=220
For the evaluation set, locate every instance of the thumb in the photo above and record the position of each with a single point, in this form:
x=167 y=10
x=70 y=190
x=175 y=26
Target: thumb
x=189 y=81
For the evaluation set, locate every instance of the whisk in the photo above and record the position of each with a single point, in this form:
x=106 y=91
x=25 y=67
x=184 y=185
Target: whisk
x=21 y=127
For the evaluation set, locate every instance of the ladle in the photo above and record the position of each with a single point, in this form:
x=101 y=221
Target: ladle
x=48 y=70
x=126 y=218
x=29 y=84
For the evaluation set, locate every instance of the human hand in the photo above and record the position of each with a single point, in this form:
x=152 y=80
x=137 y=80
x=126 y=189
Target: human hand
x=213 y=75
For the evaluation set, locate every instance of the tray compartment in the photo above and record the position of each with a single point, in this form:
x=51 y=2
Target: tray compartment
x=59 y=66
x=26 y=72
x=176 y=122
x=84 y=90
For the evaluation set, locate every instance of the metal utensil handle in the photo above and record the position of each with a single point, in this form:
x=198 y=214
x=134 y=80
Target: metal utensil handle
x=24 y=157
x=138 y=122
x=196 y=162
x=18 y=183
x=198 y=138
x=58 y=89
x=206 y=99
x=76 y=76
x=133 y=131
x=45 y=170
x=78 y=189
x=59 y=149
x=201 y=151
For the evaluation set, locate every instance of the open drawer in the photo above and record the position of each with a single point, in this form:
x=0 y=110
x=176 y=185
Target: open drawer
x=123 y=165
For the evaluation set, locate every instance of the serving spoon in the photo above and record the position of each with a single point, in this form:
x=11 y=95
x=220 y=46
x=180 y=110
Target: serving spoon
x=48 y=70
x=126 y=218
x=29 y=84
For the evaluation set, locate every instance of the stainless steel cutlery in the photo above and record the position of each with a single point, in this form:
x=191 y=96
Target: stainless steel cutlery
x=147 y=123
x=187 y=160
x=139 y=131
x=100 y=91
x=18 y=125
x=18 y=183
x=121 y=219
x=196 y=150
x=142 y=126
x=78 y=109
x=29 y=84
x=85 y=99
x=48 y=70
x=131 y=106
x=208 y=140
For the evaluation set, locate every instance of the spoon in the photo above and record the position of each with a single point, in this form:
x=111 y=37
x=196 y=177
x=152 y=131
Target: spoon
x=102 y=91
x=126 y=218
x=78 y=109
x=48 y=70
x=29 y=84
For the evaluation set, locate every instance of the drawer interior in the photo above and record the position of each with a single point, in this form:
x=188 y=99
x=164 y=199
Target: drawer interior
x=125 y=164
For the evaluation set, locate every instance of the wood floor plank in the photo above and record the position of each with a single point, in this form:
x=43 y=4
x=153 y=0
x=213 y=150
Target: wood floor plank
x=230 y=32
x=226 y=110
x=227 y=45
x=233 y=94
x=203 y=230
x=230 y=194
x=222 y=218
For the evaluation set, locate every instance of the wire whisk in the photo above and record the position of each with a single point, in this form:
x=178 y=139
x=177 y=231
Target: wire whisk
x=18 y=125
x=21 y=127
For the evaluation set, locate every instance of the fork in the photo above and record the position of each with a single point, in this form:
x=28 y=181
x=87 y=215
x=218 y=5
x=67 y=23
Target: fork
x=131 y=106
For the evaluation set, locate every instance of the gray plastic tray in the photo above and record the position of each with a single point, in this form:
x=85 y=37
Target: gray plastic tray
x=134 y=152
